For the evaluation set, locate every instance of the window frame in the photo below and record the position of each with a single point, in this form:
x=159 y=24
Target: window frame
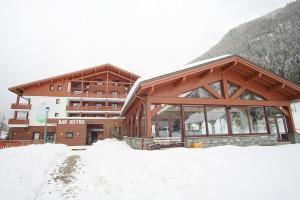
x=69 y=133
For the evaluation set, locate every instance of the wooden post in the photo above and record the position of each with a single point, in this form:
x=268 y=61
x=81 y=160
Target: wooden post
x=148 y=118
x=290 y=120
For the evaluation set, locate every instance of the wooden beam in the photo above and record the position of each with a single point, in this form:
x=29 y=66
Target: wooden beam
x=151 y=90
x=225 y=102
x=276 y=87
x=181 y=81
x=213 y=92
x=91 y=75
x=284 y=111
x=206 y=73
x=119 y=75
x=229 y=67
x=238 y=93
x=253 y=77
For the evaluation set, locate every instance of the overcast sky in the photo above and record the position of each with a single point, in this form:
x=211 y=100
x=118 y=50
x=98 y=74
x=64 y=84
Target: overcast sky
x=43 y=38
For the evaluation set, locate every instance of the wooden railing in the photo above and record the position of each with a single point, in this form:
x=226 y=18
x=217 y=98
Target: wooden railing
x=20 y=106
x=18 y=143
x=95 y=95
x=92 y=108
x=18 y=121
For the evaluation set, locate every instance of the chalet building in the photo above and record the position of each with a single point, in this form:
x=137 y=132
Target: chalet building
x=225 y=100
x=83 y=106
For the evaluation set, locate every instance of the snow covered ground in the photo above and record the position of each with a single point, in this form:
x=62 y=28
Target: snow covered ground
x=24 y=170
x=112 y=170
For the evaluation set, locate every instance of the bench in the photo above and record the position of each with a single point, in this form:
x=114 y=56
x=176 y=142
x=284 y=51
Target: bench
x=159 y=142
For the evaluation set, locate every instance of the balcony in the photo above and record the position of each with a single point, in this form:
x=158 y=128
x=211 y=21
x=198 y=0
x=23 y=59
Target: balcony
x=18 y=121
x=20 y=106
x=96 y=95
x=93 y=108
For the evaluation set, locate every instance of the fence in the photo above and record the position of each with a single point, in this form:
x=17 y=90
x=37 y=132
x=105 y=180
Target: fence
x=17 y=143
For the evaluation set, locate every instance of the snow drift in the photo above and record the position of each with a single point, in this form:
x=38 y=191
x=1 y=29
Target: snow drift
x=115 y=171
x=24 y=170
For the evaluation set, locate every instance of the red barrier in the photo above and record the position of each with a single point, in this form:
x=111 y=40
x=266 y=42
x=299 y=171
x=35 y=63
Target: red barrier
x=18 y=143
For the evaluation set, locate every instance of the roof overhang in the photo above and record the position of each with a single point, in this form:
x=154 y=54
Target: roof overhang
x=197 y=67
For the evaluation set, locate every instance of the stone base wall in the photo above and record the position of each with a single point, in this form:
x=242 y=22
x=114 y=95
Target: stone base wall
x=237 y=140
x=294 y=137
x=139 y=143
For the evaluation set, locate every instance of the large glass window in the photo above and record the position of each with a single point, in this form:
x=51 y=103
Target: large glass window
x=168 y=120
x=216 y=86
x=163 y=127
x=232 y=88
x=239 y=120
x=194 y=120
x=198 y=93
x=248 y=95
x=257 y=120
x=216 y=120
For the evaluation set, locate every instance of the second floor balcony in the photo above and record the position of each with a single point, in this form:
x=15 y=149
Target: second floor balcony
x=18 y=121
x=20 y=106
x=92 y=108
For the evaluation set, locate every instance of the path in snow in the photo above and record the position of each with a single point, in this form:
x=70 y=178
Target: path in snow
x=61 y=182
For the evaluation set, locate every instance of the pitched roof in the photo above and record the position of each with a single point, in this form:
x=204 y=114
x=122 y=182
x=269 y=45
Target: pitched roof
x=203 y=64
x=76 y=74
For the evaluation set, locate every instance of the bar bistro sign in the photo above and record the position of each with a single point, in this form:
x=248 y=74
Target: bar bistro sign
x=71 y=121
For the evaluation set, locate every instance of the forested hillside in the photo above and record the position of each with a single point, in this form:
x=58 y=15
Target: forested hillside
x=271 y=41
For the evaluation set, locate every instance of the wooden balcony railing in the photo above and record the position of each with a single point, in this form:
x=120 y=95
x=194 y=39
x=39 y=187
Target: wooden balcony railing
x=93 y=108
x=95 y=95
x=18 y=121
x=24 y=106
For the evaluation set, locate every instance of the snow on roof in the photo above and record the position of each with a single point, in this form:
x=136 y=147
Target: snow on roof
x=177 y=69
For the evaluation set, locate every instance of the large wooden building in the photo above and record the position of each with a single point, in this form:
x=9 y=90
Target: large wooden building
x=83 y=106
x=225 y=100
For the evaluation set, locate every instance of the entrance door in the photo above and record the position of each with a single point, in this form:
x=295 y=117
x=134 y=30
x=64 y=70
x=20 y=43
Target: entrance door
x=278 y=126
x=169 y=127
x=50 y=137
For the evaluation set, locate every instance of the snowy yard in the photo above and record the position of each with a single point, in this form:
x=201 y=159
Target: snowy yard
x=112 y=170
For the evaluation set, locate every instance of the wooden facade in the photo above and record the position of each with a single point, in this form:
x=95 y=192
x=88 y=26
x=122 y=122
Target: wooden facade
x=94 y=96
x=230 y=89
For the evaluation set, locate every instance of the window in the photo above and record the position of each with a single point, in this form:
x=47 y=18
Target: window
x=36 y=136
x=114 y=93
x=126 y=88
x=69 y=135
x=116 y=83
x=56 y=114
x=57 y=101
x=216 y=86
x=257 y=120
x=99 y=92
x=114 y=105
x=198 y=93
x=51 y=88
x=232 y=88
x=239 y=120
x=216 y=120
x=99 y=81
x=248 y=95
x=169 y=120
x=86 y=104
x=59 y=88
x=194 y=120
x=98 y=104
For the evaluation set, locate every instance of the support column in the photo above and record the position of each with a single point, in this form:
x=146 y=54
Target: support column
x=148 y=118
x=290 y=121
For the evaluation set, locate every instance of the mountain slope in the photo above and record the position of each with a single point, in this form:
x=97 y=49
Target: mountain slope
x=271 y=41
